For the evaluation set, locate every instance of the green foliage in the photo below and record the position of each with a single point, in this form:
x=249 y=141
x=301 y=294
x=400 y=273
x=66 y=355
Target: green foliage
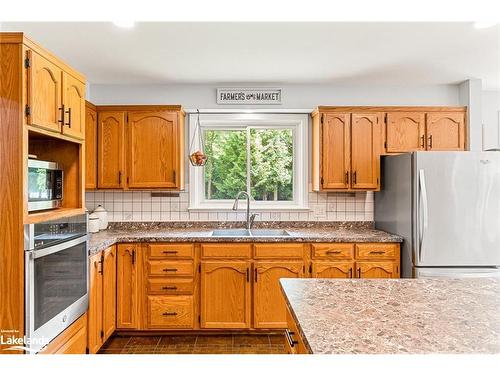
x=271 y=157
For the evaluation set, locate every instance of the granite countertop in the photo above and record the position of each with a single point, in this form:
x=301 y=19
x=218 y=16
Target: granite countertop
x=201 y=232
x=399 y=316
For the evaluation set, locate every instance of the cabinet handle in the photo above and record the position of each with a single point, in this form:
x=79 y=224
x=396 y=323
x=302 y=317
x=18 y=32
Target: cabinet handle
x=101 y=262
x=170 y=270
x=62 y=115
x=422 y=141
x=255 y=274
x=347 y=178
x=167 y=313
x=350 y=273
x=334 y=252
x=69 y=118
x=119 y=177
x=430 y=141
x=169 y=288
x=377 y=252
x=133 y=256
x=354 y=178
x=170 y=251
x=289 y=338
x=248 y=275
x=359 y=273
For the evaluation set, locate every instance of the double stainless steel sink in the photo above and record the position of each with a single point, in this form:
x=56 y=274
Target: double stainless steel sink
x=250 y=233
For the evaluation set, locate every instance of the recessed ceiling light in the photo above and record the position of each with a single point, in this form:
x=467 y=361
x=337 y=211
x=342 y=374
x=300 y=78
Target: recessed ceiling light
x=124 y=23
x=484 y=24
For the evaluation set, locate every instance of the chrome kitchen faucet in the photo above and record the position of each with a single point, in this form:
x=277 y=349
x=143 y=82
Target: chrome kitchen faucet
x=249 y=218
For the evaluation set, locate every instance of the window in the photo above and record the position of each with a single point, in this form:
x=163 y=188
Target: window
x=262 y=154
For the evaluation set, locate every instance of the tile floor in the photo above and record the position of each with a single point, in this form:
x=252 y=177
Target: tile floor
x=196 y=344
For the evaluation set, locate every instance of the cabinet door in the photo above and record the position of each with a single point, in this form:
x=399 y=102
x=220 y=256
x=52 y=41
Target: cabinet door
x=332 y=270
x=111 y=143
x=405 y=131
x=95 y=304
x=335 y=163
x=225 y=294
x=446 y=131
x=377 y=270
x=269 y=303
x=127 y=308
x=109 y=292
x=44 y=93
x=365 y=150
x=73 y=97
x=90 y=148
x=153 y=149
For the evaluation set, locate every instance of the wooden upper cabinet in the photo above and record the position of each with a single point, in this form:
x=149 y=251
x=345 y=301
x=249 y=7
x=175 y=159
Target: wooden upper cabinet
x=269 y=304
x=111 y=149
x=95 y=339
x=109 y=292
x=127 y=289
x=335 y=155
x=90 y=147
x=44 y=93
x=405 y=131
x=365 y=150
x=153 y=149
x=73 y=97
x=332 y=270
x=446 y=131
x=225 y=294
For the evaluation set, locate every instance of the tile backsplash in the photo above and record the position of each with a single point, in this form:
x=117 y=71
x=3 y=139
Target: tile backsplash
x=141 y=206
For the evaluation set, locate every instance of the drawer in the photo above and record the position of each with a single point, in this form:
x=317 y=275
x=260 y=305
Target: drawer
x=377 y=251
x=279 y=250
x=170 y=286
x=293 y=341
x=171 y=267
x=170 y=312
x=243 y=251
x=337 y=251
x=166 y=251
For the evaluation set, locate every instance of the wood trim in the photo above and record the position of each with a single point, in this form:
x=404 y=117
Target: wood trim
x=52 y=134
x=90 y=105
x=152 y=107
x=389 y=109
x=13 y=147
x=60 y=344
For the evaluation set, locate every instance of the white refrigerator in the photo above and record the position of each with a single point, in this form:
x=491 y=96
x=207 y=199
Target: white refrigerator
x=446 y=206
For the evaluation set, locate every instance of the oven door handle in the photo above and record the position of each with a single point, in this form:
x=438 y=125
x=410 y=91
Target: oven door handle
x=56 y=248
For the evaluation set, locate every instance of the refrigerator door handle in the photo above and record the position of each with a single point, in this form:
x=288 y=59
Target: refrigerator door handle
x=425 y=213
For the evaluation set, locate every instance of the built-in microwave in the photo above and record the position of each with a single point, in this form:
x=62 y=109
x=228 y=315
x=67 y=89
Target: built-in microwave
x=45 y=185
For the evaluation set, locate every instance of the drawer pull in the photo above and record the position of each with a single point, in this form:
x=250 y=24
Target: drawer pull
x=170 y=251
x=350 y=273
x=334 y=252
x=167 y=313
x=170 y=270
x=169 y=288
x=289 y=338
x=377 y=252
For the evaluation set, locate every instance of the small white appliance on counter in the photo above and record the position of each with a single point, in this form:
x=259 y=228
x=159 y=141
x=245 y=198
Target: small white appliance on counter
x=446 y=205
x=103 y=217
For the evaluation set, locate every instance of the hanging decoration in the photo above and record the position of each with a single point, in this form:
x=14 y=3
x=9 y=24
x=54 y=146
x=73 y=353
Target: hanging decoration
x=197 y=157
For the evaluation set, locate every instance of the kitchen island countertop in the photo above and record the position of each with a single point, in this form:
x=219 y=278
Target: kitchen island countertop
x=396 y=316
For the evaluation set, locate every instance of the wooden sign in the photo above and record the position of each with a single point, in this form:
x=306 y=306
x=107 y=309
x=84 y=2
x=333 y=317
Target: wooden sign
x=236 y=95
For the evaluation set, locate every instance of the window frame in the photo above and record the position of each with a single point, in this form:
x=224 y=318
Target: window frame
x=247 y=121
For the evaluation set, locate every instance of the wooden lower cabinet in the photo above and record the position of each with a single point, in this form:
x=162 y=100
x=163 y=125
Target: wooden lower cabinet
x=128 y=273
x=332 y=270
x=170 y=312
x=293 y=342
x=102 y=298
x=73 y=340
x=377 y=270
x=225 y=294
x=269 y=309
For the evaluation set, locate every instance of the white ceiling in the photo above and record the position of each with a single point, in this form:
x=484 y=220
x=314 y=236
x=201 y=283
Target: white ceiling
x=337 y=53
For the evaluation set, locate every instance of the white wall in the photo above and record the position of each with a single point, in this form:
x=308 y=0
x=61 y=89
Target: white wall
x=491 y=119
x=297 y=96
